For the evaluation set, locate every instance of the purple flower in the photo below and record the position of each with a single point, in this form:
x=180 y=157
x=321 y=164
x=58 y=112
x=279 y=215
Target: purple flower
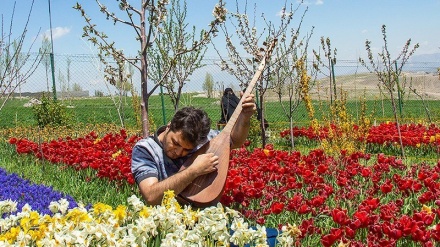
x=23 y=191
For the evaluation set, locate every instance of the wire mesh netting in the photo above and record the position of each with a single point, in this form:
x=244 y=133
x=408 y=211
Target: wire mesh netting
x=80 y=84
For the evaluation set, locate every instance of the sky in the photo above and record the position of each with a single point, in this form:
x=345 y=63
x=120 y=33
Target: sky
x=348 y=23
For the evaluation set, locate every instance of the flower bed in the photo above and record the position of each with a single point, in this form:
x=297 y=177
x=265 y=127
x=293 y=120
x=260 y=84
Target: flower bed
x=355 y=199
x=413 y=135
x=131 y=225
x=109 y=156
x=23 y=192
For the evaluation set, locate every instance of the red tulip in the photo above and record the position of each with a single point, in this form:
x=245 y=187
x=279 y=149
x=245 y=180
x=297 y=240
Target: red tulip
x=340 y=216
x=277 y=207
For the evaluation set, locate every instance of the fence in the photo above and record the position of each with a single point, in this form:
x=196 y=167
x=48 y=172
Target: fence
x=83 y=76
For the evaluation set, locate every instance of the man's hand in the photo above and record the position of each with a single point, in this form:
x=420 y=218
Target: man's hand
x=248 y=105
x=204 y=163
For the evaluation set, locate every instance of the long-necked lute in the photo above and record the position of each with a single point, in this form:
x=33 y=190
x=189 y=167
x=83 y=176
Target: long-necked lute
x=207 y=189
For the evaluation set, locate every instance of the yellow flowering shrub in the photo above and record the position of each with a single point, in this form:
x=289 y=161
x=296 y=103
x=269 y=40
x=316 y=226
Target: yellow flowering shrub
x=344 y=134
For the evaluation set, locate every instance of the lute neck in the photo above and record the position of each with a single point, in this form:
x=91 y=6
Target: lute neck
x=247 y=92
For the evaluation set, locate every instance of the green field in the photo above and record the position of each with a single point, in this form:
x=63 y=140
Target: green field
x=103 y=110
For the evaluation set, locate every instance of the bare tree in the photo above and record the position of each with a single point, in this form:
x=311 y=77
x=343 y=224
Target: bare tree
x=146 y=21
x=16 y=63
x=286 y=75
x=330 y=55
x=388 y=72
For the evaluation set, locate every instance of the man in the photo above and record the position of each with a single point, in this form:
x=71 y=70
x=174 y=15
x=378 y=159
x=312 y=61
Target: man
x=156 y=160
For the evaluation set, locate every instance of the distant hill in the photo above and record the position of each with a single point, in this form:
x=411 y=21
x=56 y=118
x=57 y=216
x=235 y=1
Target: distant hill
x=427 y=58
x=428 y=63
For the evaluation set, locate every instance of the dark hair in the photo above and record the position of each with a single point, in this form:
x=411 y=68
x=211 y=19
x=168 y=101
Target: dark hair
x=193 y=123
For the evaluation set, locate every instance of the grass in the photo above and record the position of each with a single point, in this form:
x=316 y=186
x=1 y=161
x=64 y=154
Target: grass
x=102 y=110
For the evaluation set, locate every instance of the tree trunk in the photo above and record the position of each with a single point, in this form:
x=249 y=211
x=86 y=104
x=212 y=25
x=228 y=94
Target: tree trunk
x=292 y=141
x=263 y=129
x=144 y=77
x=393 y=103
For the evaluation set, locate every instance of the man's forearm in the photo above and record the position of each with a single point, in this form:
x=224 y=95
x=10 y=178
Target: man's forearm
x=178 y=182
x=240 y=131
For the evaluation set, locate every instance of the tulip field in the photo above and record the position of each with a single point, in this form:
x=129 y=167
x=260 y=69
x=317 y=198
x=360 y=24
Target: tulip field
x=65 y=187
x=314 y=199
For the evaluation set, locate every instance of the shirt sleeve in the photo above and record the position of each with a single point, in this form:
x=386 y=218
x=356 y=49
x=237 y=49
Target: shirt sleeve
x=142 y=164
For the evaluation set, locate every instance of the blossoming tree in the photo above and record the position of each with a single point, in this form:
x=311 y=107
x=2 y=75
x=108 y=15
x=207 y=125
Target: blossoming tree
x=147 y=21
x=276 y=75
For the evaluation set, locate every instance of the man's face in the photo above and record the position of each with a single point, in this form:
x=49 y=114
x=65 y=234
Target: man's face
x=175 y=146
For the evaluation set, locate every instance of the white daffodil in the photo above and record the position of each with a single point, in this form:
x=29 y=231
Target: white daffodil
x=64 y=205
x=48 y=242
x=189 y=217
x=23 y=239
x=7 y=206
x=259 y=236
x=54 y=207
x=242 y=233
x=64 y=237
x=80 y=237
x=174 y=239
x=26 y=208
x=8 y=222
x=135 y=203
x=285 y=240
x=232 y=213
x=127 y=240
x=146 y=227
x=89 y=229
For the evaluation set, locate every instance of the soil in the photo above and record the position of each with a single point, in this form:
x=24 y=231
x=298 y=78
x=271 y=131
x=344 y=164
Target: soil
x=426 y=86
